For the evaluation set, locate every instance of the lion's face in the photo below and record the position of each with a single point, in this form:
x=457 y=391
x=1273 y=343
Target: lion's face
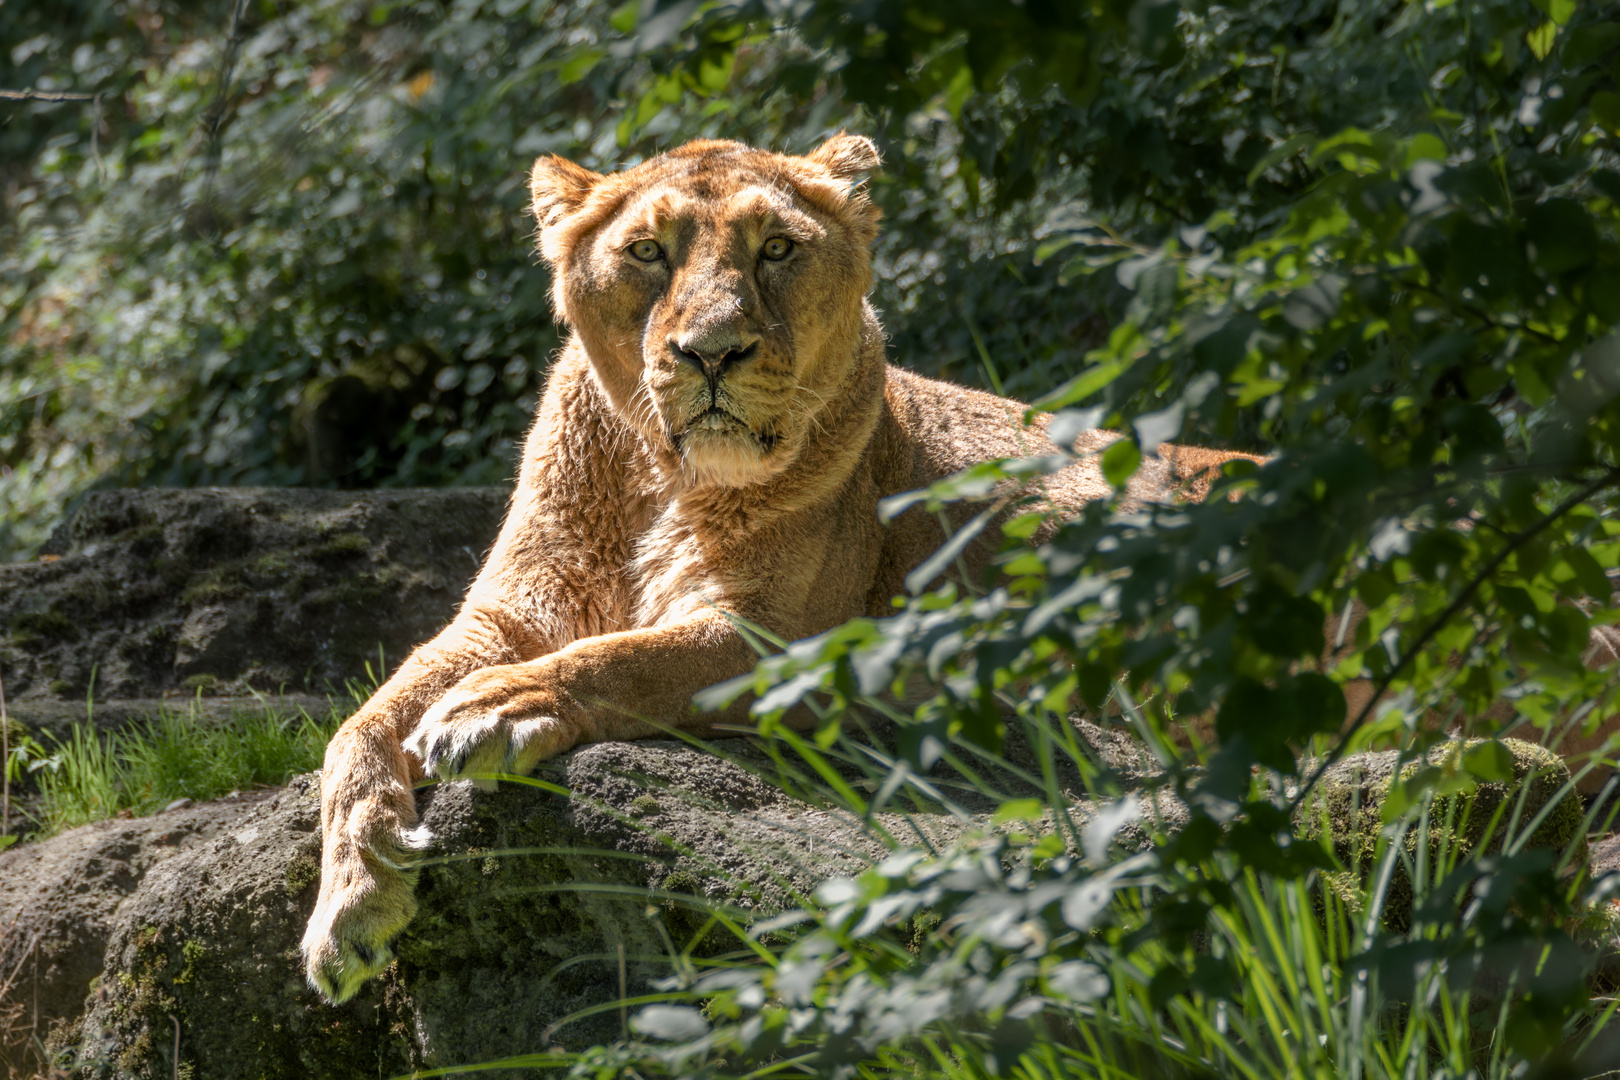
x=718 y=292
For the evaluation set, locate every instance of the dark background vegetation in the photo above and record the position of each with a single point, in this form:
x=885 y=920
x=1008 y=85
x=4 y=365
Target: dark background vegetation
x=301 y=254
x=286 y=244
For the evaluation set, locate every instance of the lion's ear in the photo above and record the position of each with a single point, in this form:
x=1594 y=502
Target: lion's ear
x=847 y=156
x=557 y=187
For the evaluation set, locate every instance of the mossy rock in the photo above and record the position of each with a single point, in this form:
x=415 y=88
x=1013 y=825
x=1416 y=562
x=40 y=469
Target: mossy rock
x=1467 y=816
x=260 y=590
x=36 y=630
x=537 y=911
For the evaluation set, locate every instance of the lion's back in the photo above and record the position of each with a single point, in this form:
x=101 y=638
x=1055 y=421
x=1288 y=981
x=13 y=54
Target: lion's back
x=947 y=428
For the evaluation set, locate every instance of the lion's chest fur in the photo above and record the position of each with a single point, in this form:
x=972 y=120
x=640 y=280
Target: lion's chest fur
x=696 y=556
x=796 y=573
x=669 y=576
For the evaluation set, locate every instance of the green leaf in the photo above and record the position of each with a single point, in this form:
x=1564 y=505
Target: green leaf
x=1562 y=235
x=941 y=560
x=1485 y=258
x=1082 y=386
x=1349 y=138
x=1019 y=810
x=1024 y=526
x=1120 y=461
x=1223 y=349
x=1606 y=110
x=1588 y=574
x=1592 y=42
x=669 y=1022
x=7 y=841
x=1284 y=625
x=959 y=90
x=714 y=72
x=1489 y=760
x=624 y=16
x=579 y=66
x=1559 y=11
x=1049 y=846
x=1425 y=147
x=1541 y=39
x=1257 y=390
x=1603 y=290
x=1280 y=153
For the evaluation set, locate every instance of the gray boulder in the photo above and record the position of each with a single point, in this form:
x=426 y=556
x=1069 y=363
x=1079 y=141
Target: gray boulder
x=154 y=593
x=541 y=905
x=59 y=901
x=527 y=904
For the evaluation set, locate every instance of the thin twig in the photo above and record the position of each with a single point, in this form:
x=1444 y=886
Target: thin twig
x=1457 y=604
x=95 y=137
x=44 y=95
x=1483 y=316
x=214 y=119
x=5 y=766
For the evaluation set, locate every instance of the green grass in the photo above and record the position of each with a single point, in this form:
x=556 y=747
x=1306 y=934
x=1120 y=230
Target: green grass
x=175 y=754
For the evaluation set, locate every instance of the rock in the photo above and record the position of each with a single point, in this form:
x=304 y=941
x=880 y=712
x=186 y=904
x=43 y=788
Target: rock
x=59 y=899
x=541 y=906
x=526 y=901
x=1606 y=856
x=151 y=593
x=1351 y=795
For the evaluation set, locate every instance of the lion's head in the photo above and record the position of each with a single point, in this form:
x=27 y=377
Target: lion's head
x=718 y=291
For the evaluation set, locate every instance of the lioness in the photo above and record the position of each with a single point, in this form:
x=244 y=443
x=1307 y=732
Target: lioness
x=714 y=438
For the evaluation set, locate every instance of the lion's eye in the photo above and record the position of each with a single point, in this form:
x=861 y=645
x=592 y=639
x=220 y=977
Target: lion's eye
x=647 y=250
x=776 y=248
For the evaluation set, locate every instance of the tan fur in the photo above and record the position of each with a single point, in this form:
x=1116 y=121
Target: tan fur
x=642 y=517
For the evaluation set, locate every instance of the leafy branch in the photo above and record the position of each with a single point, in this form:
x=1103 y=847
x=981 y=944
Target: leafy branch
x=1455 y=607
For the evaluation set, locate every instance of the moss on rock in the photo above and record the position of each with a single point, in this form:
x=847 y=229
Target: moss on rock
x=1466 y=815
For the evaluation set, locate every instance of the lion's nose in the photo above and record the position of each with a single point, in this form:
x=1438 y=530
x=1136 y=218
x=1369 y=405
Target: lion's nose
x=713 y=357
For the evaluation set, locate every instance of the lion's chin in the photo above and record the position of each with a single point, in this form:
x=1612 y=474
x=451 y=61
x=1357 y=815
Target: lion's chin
x=728 y=457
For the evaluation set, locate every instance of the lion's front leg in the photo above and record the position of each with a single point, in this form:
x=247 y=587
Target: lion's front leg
x=369 y=836
x=628 y=685
x=369 y=844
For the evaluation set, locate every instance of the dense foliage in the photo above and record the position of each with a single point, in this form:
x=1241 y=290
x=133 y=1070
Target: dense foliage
x=1374 y=240
x=1377 y=239
x=294 y=248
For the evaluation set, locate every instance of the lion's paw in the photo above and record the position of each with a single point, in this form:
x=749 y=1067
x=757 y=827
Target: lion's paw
x=363 y=906
x=466 y=735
